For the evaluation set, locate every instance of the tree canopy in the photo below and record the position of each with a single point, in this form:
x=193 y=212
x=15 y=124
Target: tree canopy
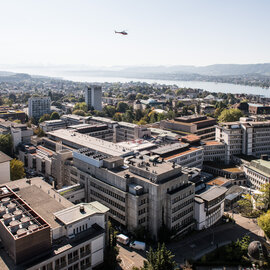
x=6 y=144
x=54 y=116
x=81 y=106
x=122 y=107
x=161 y=259
x=16 y=169
x=44 y=117
x=230 y=115
x=264 y=223
x=79 y=112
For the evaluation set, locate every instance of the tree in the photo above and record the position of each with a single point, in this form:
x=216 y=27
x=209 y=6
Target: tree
x=79 y=112
x=16 y=169
x=54 y=116
x=230 y=115
x=109 y=110
x=264 y=223
x=161 y=259
x=265 y=195
x=39 y=132
x=6 y=144
x=81 y=106
x=44 y=117
x=122 y=107
x=111 y=251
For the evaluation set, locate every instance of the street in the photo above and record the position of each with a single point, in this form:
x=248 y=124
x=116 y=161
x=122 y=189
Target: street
x=197 y=244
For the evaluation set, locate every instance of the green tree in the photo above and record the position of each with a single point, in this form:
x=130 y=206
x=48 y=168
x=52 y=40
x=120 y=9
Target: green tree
x=111 y=252
x=265 y=195
x=122 y=107
x=161 y=259
x=16 y=169
x=54 y=116
x=39 y=132
x=6 y=144
x=81 y=106
x=44 y=117
x=79 y=112
x=109 y=110
x=230 y=115
x=117 y=117
x=264 y=223
x=139 y=96
x=128 y=116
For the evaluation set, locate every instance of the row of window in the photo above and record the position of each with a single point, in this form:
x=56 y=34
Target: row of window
x=109 y=192
x=117 y=214
x=142 y=211
x=107 y=200
x=181 y=197
x=181 y=214
x=142 y=220
x=180 y=206
x=180 y=225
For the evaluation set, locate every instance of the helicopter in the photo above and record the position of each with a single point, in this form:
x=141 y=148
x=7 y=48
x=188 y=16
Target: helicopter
x=122 y=33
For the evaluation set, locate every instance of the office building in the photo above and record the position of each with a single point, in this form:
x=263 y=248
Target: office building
x=199 y=125
x=246 y=137
x=38 y=106
x=93 y=97
x=142 y=192
x=258 y=172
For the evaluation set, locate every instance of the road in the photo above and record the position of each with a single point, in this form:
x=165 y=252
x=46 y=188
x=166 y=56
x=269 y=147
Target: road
x=196 y=244
x=130 y=257
x=200 y=243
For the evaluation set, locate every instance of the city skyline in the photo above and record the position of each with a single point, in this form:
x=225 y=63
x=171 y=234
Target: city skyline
x=159 y=33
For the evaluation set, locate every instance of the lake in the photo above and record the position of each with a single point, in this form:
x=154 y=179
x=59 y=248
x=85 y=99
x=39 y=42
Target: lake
x=208 y=86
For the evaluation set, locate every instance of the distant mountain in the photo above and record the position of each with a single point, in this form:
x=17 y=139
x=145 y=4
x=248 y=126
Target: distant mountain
x=13 y=77
x=212 y=70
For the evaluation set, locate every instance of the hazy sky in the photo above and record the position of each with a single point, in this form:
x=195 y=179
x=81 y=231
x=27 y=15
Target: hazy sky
x=168 y=32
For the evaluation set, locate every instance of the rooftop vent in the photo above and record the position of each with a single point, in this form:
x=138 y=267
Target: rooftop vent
x=82 y=209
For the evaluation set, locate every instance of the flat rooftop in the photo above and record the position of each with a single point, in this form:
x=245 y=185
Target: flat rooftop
x=41 y=197
x=87 y=141
x=80 y=211
x=212 y=193
x=169 y=148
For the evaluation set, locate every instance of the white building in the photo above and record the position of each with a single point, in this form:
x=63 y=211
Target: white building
x=93 y=97
x=51 y=125
x=258 y=172
x=244 y=137
x=4 y=168
x=209 y=206
x=38 y=106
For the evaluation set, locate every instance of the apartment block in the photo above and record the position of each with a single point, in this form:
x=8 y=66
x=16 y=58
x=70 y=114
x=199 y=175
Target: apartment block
x=38 y=106
x=93 y=97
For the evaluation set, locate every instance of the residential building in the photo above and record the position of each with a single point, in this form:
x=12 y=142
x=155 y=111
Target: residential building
x=258 y=108
x=39 y=229
x=38 y=106
x=4 y=168
x=258 y=172
x=209 y=206
x=93 y=97
x=202 y=126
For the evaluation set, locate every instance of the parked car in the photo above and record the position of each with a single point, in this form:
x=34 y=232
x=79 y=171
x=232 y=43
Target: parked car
x=137 y=245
